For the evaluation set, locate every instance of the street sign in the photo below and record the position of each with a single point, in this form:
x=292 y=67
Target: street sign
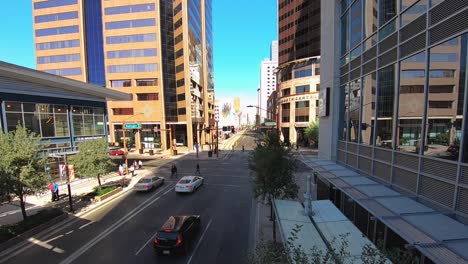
x=270 y=123
x=132 y=126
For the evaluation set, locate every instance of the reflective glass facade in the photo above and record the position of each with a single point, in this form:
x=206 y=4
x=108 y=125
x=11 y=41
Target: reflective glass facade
x=94 y=43
x=65 y=71
x=56 y=17
x=53 y=3
x=129 y=9
x=58 y=58
x=58 y=44
x=87 y=121
x=133 y=68
x=132 y=53
x=403 y=91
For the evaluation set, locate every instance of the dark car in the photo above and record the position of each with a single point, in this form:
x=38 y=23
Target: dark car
x=177 y=234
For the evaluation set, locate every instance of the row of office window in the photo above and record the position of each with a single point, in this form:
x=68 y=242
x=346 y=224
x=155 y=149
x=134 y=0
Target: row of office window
x=138 y=82
x=52 y=121
x=150 y=37
x=56 y=31
x=58 y=44
x=56 y=17
x=54 y=3
x=131 y=53
x=65 y=71
x=149 y=67
x=129 y=9
x=58 y=58
x=147 y=22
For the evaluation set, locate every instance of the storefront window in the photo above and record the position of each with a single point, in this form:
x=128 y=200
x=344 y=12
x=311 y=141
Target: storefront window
x=88 y=121
x=369 y=86
x=354 y=109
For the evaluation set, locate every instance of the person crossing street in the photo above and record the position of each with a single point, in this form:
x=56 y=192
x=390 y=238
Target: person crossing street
x=197 y=171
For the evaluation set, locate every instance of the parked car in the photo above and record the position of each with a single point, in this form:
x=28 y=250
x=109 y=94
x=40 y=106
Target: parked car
x=148 y=182
x=116 y=152
x=189 y=184
x=177 y=234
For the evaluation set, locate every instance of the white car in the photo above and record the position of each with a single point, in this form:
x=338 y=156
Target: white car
x=188 y=184
x=148 y=182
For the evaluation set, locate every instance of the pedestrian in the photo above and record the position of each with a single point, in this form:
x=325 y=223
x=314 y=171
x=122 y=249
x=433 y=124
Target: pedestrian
x=132 y=170
x=120 y=170
x=198 y=170
x=51 y=188
x=173 y=170
x=56 y=191
x=140 y=164
x=135 y=164
x=124 y=166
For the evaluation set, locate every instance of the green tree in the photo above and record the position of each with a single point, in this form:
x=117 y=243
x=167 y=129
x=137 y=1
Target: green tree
x=274 y=168
x=22 y=163
x=92 y=160
x=312 y=132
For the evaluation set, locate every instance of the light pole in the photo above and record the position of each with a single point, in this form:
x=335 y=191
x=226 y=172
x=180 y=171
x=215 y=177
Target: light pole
x=125 y=140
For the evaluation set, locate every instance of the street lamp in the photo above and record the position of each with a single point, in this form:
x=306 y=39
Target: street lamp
x=125 y=140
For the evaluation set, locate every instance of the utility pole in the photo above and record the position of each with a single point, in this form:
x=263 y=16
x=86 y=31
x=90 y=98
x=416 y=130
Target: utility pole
x=217 y=140
x=68 y=183
x=125 y=148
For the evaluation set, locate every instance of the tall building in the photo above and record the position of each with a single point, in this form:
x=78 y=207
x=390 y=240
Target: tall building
x=159 y=51
x=299 y=67
x=267 y=79
x=394 y=87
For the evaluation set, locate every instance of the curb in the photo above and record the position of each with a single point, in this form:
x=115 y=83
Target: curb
x=24 y=236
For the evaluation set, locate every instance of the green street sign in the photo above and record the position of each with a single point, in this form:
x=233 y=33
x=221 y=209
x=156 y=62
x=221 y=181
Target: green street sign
x=132 y=126
x=270 y=123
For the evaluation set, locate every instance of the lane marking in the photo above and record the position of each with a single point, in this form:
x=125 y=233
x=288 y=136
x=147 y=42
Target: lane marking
x=144 y=245
x=199 y=241
x=85 y=225
x=46 y=245
x=69 y=232
x=112 y=228
x=52 y=239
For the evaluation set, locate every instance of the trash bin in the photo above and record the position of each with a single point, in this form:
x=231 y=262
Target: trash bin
x=151 y=152
x=210 y=153
x=140 y=151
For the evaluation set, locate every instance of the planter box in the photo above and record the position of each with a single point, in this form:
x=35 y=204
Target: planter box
x=107 y=195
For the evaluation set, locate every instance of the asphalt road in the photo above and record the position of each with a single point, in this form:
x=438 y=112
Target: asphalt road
x=122 y=231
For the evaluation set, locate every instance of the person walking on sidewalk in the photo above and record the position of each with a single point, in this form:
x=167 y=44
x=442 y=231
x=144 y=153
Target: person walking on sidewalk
x=140 y=164
x=51 y=188
x=132 y=170
x=56 y=191
x=197 y=171
x=135 y=164
x=121 y=170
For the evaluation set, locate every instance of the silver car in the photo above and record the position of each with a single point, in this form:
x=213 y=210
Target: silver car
x=148 y=182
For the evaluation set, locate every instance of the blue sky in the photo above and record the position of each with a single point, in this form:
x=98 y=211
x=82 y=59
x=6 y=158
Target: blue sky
x=242 y=29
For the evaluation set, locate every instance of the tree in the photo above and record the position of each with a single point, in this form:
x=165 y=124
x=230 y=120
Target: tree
x=274 y=168
x=92 y=160
x=312 y=132
x=22 y=163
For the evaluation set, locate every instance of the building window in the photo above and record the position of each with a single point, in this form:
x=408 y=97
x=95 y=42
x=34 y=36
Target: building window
x=302 y=89
x=56 y=17
x=179 y=53
x=131 y=23
x=132 y=68
x=65 y=72
x=131 y=38
x=129 y=9
x=122 y=111
x=147 y=96
x=356 y=23
x=58 y=58
x=181 y=97
x=121 y=83
x=58 y=44
x=317 y=87
x=285 y=119
x=354 y=109
x=286 y=91
x=180 y=68
x=147 y=82
x=181 y=111
x=53 y=3
x=302 y=118
x=387 y=10
x=88 y=120
x=131 y=53
x=178 y=39
x=413 y=12
x=302 y=73
x=302 y=104
x=369 y=86
x=178 y=24
x=180 y=82
x=317 y=71
x=56 y=31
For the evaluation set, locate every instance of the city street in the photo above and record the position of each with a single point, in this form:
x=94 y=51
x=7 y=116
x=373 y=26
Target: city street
x=122 y=231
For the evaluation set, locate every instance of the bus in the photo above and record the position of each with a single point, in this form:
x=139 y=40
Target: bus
x=227 y=131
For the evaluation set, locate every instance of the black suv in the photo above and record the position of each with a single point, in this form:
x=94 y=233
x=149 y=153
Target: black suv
x=177 y=234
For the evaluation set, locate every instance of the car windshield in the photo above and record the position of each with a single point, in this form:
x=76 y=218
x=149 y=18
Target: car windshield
x=144 y=181
x=184 y=181
x=165 y=235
